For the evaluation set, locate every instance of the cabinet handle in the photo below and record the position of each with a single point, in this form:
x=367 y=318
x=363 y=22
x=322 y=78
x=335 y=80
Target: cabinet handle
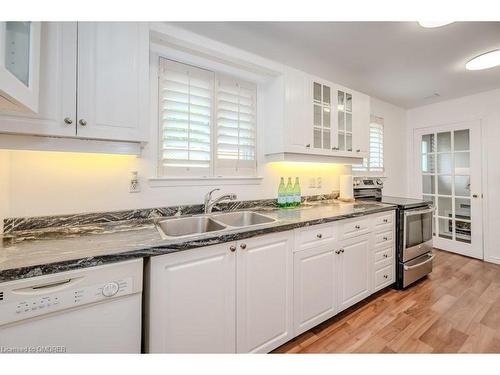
x=385 y=255
x=385 y=220
x=357 y=227
x=386 y=276
x=335 y=148
x=82 y=122
x=349 y=149
x=319 y=235
x=358 y=150
x=243 y=246
x=338 y=251
x=232 y=248
x=342 y=250
x=385 y=238
x=68 y=121
x=308 y=145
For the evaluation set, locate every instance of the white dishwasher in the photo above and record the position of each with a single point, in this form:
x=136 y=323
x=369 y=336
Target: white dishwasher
x=89 y=310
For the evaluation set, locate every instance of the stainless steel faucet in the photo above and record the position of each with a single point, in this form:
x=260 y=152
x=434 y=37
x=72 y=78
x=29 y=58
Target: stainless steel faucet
x=210 y=203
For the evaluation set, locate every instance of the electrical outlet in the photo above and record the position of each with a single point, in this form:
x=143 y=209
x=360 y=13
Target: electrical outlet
x=134 y=185
x=319 y=182
x=312 y=183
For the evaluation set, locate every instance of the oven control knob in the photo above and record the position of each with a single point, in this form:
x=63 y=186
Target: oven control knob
x=110 y=289
x=379 y=181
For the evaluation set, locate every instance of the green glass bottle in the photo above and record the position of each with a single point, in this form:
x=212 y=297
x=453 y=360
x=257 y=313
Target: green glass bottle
x=282 y=193
x=289 y=193
x=297 y=196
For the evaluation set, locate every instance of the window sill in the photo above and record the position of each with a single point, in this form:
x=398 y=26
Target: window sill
x=203 y=181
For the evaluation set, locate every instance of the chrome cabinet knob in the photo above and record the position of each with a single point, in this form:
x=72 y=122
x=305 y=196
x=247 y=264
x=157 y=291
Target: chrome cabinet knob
x=232 y=248
x=243 y=246
x=68 y=121
x=319 y=235
x=82 y=122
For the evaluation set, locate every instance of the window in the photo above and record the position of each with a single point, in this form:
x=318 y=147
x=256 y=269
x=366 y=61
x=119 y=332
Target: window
x=375 y=160
x=207 y=123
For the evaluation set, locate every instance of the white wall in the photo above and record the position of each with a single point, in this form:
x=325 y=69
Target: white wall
x=46 y=183
x=4 y=186
x=394 y=146
x=484 y=107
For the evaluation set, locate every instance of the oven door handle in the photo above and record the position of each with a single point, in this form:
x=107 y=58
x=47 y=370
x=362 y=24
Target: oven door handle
x=431 y=257
x=420 y=212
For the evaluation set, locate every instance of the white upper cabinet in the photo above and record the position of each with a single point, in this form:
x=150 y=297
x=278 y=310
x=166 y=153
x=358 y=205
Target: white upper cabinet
x=113 y=80
x=321 y=119
x=19 y=66
x=94 y=83
x=57 y=86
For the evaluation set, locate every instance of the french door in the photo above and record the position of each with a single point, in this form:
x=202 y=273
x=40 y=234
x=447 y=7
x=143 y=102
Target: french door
x=448 y=163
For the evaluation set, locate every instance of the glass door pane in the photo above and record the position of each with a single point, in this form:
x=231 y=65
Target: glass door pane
x=17 y=50
x=445 y=168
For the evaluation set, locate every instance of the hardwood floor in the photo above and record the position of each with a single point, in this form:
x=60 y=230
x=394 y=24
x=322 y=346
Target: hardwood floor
x=456 y=309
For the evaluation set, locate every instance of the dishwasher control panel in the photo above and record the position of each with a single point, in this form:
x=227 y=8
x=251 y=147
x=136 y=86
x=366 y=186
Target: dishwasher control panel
x=34 y=301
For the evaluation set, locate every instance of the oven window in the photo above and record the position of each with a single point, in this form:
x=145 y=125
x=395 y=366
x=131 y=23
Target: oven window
x=418 y=229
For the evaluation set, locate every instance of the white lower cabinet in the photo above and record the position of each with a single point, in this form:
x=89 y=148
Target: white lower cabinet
x=254 y=295
x=191 y=301
x=314 y=286
x=354 y=266
x=264 y=293
x=233 y=297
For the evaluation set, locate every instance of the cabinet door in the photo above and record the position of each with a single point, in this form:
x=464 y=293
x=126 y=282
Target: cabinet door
x=264 y=291
x=191 y=301
x=19 y=65
x=57 y=86
x=361 y=124
x=314 y=288
x=321 y=119
x=297 y=109
x=354 y=266
x=113 y=80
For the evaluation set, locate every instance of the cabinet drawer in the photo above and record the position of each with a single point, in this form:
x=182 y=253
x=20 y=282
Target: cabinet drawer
x=354 y=228
x=384 y=237
x=384 y=277
x=384 y=220
x=313 y=236
x=384 y=258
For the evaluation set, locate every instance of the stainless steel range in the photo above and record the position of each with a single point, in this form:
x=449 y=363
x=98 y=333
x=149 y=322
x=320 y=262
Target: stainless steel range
x=413 y=230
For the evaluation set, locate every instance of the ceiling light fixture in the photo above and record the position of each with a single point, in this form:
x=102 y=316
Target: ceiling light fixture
x=433 y=24
x=485 y=61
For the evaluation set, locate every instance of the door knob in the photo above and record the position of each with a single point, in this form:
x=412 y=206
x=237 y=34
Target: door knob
x=82 y=122
x=68 y=121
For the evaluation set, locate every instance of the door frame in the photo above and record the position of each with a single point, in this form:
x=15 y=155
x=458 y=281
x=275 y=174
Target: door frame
x=416 y=181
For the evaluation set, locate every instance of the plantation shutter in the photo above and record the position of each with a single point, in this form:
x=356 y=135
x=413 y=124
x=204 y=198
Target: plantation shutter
x=235 y=130
x=376 y=157
x=185 y=114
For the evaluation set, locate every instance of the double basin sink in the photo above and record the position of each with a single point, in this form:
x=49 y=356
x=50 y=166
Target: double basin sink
x=194 y=225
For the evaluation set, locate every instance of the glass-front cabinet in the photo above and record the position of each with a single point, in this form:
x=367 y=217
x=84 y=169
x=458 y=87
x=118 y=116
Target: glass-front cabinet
x=344 y=121
x=322 y=119
x=19 y=65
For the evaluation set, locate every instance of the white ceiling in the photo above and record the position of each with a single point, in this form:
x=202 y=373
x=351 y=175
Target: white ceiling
x=399 y=62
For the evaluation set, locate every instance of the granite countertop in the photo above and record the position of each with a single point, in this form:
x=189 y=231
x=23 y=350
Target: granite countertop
x=38 y=252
